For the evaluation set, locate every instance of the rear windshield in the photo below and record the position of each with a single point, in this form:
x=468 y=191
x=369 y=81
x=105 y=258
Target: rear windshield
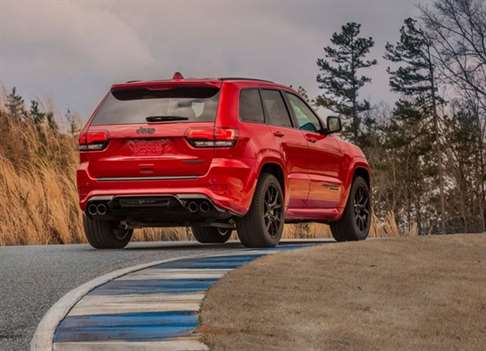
x=132 y=106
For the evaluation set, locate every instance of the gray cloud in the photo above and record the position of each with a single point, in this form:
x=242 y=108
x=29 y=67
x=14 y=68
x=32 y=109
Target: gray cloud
x=73 y=50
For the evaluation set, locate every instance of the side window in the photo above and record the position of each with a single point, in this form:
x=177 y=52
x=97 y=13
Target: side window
x=306 y=119
x=277 y=113
x=251 y=109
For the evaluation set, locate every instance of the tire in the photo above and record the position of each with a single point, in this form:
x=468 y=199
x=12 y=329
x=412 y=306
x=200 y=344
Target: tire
x=105 y=234
x=263 y=225
x=211 y=235
x=356 y=220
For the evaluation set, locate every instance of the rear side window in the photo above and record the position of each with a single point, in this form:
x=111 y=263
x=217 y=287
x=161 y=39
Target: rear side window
x=132 y=106
x=275 y=109
x=251 y=109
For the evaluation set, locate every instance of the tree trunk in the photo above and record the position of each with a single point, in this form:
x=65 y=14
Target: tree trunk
x=480 y=176
x=462 y=197
x=419 y=215
x=437 y=149
x=354 y=102
x=482 y=221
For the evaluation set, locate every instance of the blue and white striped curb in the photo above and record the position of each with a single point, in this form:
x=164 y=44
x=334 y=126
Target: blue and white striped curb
x=153 y=308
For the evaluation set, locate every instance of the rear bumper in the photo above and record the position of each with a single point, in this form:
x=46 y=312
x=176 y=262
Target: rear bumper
x=228 y=184
x=156 y=210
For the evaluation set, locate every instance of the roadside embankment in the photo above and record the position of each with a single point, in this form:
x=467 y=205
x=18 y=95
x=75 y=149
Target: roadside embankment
x=397 y=294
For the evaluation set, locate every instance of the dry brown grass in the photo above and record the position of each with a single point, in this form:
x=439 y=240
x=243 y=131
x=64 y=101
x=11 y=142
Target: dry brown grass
x=37 y=206
x=38 y=197
x=37 y=191
x=425 y=293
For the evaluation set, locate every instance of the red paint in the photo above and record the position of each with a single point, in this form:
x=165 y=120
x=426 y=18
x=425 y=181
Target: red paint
x=318 y=169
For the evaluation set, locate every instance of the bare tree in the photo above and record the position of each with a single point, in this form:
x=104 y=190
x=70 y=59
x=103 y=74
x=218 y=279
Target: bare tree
x=458 y=29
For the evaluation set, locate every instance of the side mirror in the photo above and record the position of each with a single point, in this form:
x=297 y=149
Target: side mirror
x=333 y=125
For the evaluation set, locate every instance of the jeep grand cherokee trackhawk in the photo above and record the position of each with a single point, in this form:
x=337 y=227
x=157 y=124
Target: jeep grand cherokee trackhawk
x=217 y=155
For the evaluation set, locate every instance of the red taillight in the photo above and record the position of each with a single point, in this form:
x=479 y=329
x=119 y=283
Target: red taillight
x=93 y=141
x=212 y=137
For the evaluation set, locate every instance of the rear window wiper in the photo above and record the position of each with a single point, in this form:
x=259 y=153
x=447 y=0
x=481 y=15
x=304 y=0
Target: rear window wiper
x=165 y=118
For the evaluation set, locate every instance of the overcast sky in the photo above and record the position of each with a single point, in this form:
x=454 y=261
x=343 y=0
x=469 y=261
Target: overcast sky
x=72 y=51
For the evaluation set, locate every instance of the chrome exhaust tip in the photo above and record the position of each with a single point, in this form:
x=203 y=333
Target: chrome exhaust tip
x=92 y=210
x=204 y=207
x=192 y=207
x=101 y=209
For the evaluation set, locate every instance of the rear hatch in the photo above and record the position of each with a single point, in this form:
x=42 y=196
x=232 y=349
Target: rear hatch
x=141 y=132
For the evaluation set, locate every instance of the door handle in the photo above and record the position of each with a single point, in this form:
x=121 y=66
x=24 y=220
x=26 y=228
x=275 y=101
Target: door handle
x=278 y=134
x=311 y=140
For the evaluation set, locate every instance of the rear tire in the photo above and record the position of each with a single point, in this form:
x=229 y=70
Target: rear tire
x=356 y=220
x=211 y=235
x=105 y=234
x=263 y=225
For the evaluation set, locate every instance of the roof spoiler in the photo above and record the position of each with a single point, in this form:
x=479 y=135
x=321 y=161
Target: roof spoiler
x=168 y=84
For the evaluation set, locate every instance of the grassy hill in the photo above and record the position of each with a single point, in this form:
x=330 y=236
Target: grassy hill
x=425 y=293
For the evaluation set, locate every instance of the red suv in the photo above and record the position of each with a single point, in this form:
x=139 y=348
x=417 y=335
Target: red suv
x=217 y=155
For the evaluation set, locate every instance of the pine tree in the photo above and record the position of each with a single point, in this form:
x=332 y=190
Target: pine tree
x=340 y=77
x=51 y=122
x=15 y=104
x=462 y=139
x=408 y=141
x=416 y=79
x=73 y=122
x=304 y=94
x=35 y=113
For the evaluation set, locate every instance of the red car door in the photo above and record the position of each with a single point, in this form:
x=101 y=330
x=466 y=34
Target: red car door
x=324 y=156
x=292 y=145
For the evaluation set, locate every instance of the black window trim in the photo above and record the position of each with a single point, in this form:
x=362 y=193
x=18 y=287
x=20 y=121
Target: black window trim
x=263 y=106
x=261 y=103
x=296 y=122
x=284 y=98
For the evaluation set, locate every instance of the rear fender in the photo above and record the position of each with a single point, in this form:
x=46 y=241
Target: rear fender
x=270 y=158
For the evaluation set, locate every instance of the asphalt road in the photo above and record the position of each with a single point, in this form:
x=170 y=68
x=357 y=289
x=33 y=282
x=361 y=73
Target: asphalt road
x=33 y=278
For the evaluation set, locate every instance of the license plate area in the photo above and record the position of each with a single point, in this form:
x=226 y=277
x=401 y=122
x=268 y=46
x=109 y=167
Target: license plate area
x=148 y=147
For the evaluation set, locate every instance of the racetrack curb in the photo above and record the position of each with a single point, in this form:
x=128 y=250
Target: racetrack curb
x=43 y=339
x=44 y=334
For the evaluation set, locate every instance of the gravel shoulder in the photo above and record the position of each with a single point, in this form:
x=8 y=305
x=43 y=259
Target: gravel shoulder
x=398 y=294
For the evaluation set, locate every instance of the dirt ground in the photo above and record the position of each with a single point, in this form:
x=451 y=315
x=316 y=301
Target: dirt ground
x=397 y=294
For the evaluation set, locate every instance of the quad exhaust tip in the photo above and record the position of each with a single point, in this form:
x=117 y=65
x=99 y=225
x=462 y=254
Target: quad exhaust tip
x=97 y=209
x=92 y=210
x=193 y=207
x=204 y=207
x=101 y=209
